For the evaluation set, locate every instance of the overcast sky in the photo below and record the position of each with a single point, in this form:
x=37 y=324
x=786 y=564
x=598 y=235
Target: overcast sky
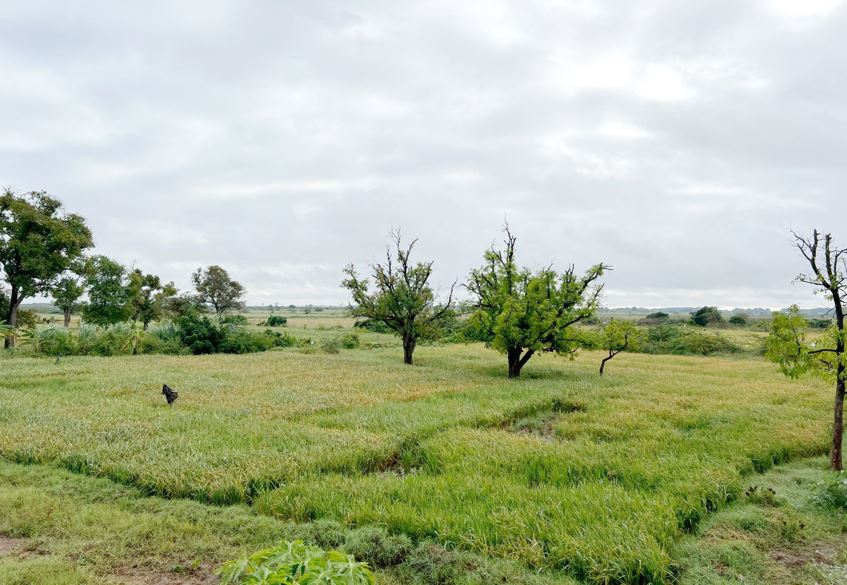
x=677 y=141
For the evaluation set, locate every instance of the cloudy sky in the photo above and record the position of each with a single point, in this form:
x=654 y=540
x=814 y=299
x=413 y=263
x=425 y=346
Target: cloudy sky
x=677 y=141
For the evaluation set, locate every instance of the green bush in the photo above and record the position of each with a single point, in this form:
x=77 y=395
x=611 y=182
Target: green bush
x=331 y=344
x=832 y=495
x=350 y=341
x=376 y=546
x=706 y=316
x=678 y=340
x=276 y=321
x=198 y=333
x=238 y=320
x=294 y=563
x=116 y=339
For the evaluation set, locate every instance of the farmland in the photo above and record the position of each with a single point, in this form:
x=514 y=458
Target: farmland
x=562 y=475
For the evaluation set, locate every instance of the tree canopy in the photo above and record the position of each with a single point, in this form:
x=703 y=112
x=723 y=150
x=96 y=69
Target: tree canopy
x=38 y=243
x=216 y=291
x=403 y=299
x=108 y=293
x=520 y=312
x=148 y=297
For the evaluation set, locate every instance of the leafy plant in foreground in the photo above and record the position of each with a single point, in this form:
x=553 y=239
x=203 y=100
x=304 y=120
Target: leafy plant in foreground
x=294 y=563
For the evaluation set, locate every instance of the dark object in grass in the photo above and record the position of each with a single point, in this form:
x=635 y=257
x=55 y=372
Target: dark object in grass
x=170 y=394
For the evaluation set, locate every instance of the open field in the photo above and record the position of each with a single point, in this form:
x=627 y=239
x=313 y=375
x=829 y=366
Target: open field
x=562 y=472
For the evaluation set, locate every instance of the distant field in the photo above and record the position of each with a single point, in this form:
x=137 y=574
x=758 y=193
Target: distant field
x=562 y=471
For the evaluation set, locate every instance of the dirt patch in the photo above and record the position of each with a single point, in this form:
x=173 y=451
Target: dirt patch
x=820 y=555
x=10 y=546
x=205 y=575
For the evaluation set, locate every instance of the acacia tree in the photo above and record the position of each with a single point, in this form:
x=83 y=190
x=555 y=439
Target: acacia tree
x=217 y=291
x=38 y=243
x=148 y=297
x=108 y=292
x=787 y=344
x=520 y=313
x=68 y=290
x=403 y=300
x=618 y=336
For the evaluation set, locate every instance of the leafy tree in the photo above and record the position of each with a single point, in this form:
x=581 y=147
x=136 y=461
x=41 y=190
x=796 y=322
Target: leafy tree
x=403 y=299
x=706 y=316
x=617 y=336
x=148 y=297
x=108 y=293
x=217 y=292
x=68 y=290
x=787 y=344
x=519 y=312
x=38 y=243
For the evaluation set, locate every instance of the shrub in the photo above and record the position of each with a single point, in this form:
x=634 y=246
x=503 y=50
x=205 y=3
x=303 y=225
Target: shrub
x=198 y=333
x=740 y=320
x=237 y=320
x=54 y=341
x=832 y=495
x=116 y=339
x=294 y=563
x=376 y=546
x=276 y=321
x=706 y=316
x=677 y=340
x=163 y=338
x=373 y=325
x=27 y=319
x=350 y=341
x=331 y=344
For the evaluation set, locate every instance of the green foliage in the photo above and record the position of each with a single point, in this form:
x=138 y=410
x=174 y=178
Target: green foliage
x=108 y=293
x=403 y=300
x=236 y=320
x=198 y=333
x=377 y=547
x=217 y=291
x=148 y=297
x=788 y=346
x=294 y=563
x=520 y=313
x=373 y=325
x=276 y=321
x=67 y=293
x=832 y=493
x=706 y=316
x=680 y=340
x=38 y=243
x=27 y=319
x=738 y=320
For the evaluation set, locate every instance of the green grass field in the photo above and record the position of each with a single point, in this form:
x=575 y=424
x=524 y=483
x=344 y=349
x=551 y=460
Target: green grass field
x=562 y=474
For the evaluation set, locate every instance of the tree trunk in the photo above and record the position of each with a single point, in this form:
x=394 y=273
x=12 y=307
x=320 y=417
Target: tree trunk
x=67 y=318
x=408 y=350
x=838 y=422
x=603 y=364
x=515 y=365
x=12 y=320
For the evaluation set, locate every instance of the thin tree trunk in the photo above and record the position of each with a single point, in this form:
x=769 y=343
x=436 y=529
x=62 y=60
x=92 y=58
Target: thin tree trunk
x=603 y=363
x=67 y=318
x=12 y=320
x=838 y=422
x=408 y=350
x=514 y=356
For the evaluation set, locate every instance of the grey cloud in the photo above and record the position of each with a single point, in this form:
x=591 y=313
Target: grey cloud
x=677 y=141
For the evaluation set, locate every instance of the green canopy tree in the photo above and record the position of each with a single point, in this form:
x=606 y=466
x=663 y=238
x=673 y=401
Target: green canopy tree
x=148 y=297
x=618 y=336
x=787 y=344
x=706 y=316
x=68 y=290
x=520 y=313
x=217 y=292
x=108 y=293
x=38 y=242
x=403 y=299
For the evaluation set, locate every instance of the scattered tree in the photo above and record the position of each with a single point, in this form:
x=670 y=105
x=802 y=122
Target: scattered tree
x=787 y=344
x=617 y=336
x=108 y=293
x=403 y=300
x=148 y=297
x=38 y=243
x=739 y=319
x=520 y=313
x=706 y=316
x=217 y=292
x=68 y=290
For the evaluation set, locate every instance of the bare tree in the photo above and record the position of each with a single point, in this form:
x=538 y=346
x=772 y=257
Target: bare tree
x=403 y=300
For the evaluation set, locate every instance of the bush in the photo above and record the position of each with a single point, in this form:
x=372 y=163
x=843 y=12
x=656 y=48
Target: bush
x=237 y=320
x=677 y=340
x=376 y=546
x=116 y=339
x=374 y=326
x=27 y=319
x=164 y=337
x=276 y=321
x=740 y=320
x=198 y=334
x=331 y=345
x=832 y=495
x=350 y=341
x=54 y=341
x=238 y=340
x=294 y=563
x=706 y=316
